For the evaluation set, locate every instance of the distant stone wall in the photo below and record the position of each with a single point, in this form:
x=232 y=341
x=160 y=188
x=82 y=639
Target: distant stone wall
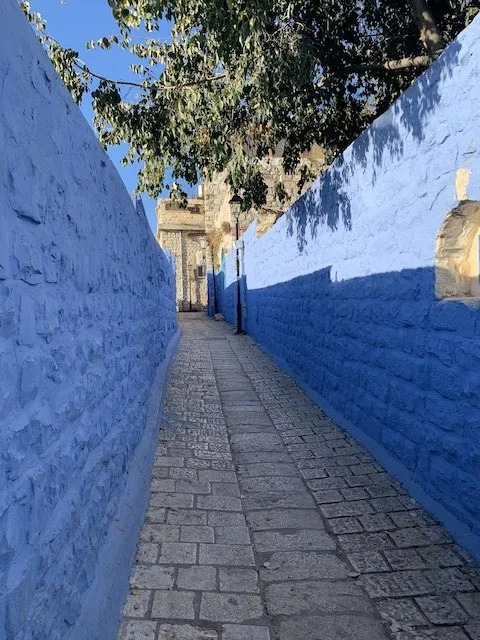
x=87 y=316
x=341 y=291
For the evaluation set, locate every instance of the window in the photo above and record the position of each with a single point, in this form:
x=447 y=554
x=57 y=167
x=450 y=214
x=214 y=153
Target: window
x=201 y=271
x=457 y=262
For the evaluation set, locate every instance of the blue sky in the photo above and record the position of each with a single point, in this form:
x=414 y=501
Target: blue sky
x=73 y=23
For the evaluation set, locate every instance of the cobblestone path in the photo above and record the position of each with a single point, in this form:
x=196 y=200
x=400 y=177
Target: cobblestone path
x=267 y=522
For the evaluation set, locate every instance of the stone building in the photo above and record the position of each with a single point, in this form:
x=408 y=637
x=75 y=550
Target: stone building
x=219 y=223
x=197 y=235
x=182 y=232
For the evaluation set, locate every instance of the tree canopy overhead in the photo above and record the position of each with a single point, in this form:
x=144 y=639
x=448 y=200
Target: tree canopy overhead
x=238 y=76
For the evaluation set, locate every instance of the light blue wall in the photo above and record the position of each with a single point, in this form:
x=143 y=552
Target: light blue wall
x=341 y=290
x=87 y=316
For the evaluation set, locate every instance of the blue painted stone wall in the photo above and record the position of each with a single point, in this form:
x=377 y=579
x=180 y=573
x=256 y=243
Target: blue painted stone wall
x=341 y=291
x=87 y=315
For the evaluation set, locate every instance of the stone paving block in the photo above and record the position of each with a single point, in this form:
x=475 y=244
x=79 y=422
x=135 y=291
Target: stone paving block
x=272 y=483
x=162 y=485
x=192 y=486
x=232 y=535
x=402 y=611
x=236 y=579
x=402 y=559
x=377 y=522
x=219 y=503
x=156 y=515
x=398 y=584
x=138 y=630
x=295 y=598
x=341 y=509
x=137 y=604
x=198 y=463
x=381 y=490
x=387 y=505
x=354 y=493
x=377 y=541
x=442 y=610
x=448 y=580
x=440 y=556
x=152 y=577
x=284 y=519
x=368 y=562
x=197 y=533
x=226 y=489
x=173 y=604
x=160 y=533
x=187 y=517
x=267 y=469
x=473 y=631
x=252 y=417
x=226 y=554
x=329 y=627
x=445 y=633
x=197 y=578
x=183 y=474
x=308 y=540
x=226 y=519
x=169 y=461
x=313 y=473
x=171 y=500
x=328 y=496
x=471 y=603
x=160 y=472
x=404 y=519
x=147 y=553
x=178 y=553
x=345 y=525
x=278 y=500
x=185 y=632
x=258 y=457
x=210 y=475
x=302 y=565
x=227 y=607
x=244 y=632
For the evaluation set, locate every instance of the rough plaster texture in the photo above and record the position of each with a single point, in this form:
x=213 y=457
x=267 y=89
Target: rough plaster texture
x=86 y=317
x=341 y=291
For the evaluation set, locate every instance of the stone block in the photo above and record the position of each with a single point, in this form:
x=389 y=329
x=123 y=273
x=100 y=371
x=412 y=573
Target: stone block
x=230 y=607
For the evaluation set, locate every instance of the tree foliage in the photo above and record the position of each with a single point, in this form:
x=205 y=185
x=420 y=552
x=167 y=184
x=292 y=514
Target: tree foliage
x=238 y=76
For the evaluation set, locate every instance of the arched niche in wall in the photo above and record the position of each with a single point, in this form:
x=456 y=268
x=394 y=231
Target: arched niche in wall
x=457 y=263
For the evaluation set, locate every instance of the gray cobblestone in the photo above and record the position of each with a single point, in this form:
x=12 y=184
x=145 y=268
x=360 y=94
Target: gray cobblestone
x=178 y=553
x=230 y=607
x=244 y=632
x=226 y=554
x=236 y=579
x=197 y=533
x=173 y=604
x=197 y=578
x=339 y=544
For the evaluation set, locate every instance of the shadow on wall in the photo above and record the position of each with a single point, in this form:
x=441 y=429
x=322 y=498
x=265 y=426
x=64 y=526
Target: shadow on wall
x=328 y=201
x=391 y=360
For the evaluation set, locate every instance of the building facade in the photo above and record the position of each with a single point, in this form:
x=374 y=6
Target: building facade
x=199 y=235
x=182 y=232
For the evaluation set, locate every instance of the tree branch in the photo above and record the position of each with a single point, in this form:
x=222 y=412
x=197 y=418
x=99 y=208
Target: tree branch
x=394 y=65
x=85 y=69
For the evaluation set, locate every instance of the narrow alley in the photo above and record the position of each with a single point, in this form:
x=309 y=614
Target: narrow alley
x=267 y=522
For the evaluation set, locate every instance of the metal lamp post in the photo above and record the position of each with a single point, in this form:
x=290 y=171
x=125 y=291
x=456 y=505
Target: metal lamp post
x=236 y=209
